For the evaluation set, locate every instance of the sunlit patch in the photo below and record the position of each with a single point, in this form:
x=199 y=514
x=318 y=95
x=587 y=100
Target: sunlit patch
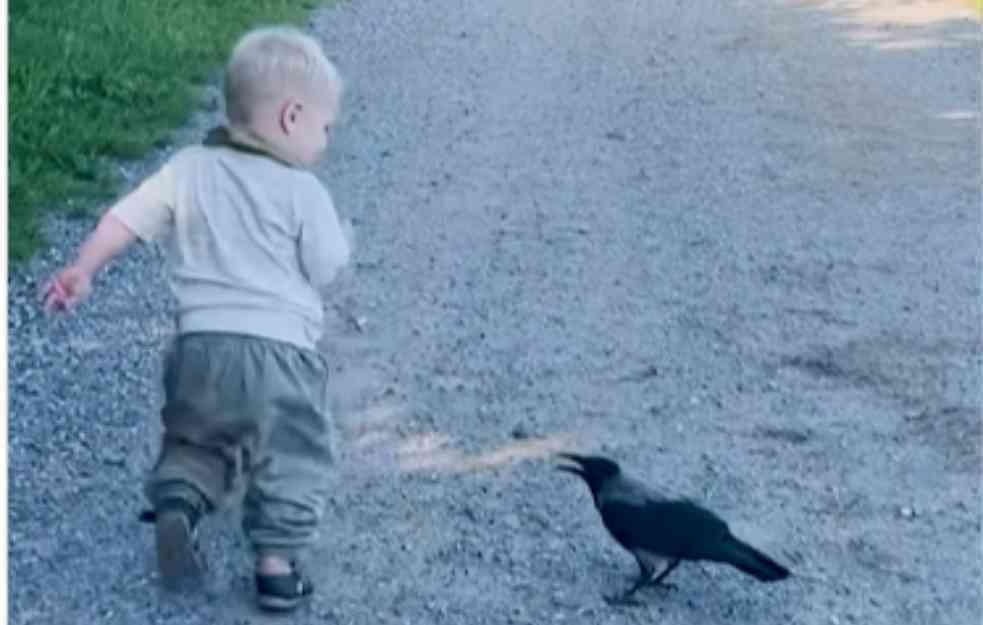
x=893 y=13
x=916 y=43
x=430 y=452
x=382 y=412
x=373 y=438
x=374 y=428
x=958 y=116
x=975 y=6
x=424 y=444
x=915 y=25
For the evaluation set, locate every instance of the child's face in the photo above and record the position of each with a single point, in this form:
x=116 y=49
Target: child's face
x=306 y=124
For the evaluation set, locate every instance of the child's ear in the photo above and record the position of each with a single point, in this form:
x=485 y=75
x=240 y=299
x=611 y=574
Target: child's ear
x=288 y=115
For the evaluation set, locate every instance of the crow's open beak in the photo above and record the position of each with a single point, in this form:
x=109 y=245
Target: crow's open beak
x=576 y=470
x=568 y=469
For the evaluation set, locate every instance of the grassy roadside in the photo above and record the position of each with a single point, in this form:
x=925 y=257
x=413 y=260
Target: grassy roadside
x=94 y=80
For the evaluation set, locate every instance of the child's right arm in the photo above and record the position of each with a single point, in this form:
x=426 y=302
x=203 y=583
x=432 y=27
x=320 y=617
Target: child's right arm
x=325 y=243
x=144 y=213
x=74 y=283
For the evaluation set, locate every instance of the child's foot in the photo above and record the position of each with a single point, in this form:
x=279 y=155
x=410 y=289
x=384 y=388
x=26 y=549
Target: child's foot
x=177 y=549
x=282 y=590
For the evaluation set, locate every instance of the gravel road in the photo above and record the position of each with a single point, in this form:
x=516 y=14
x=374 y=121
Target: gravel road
x=734 y=245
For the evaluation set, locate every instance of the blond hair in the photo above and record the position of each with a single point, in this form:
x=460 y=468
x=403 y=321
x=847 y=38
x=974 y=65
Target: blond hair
x=271 y=61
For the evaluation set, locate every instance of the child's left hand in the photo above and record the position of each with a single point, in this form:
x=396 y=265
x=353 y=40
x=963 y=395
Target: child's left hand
x=66 y=289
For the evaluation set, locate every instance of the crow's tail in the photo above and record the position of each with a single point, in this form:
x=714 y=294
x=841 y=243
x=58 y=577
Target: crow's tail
x=751 y=561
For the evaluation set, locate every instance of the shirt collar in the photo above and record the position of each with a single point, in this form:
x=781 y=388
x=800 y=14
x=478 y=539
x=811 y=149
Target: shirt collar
x=246 y=141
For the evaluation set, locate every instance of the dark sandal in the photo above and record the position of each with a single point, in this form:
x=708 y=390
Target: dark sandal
x=282 y=593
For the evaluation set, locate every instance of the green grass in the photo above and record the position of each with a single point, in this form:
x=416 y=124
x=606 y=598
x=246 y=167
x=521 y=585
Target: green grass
x=95 y=80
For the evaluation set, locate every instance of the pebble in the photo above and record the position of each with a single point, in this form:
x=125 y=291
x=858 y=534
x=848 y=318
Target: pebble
x=520 y=431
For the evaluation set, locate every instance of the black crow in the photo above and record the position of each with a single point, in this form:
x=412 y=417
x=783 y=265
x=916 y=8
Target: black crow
x=654 y=528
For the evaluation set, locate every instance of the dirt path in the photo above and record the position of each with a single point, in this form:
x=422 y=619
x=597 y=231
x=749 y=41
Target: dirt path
x=734 y=245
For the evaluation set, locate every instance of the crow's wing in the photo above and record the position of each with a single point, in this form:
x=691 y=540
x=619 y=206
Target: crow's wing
x=672 y=529
x=629 y=491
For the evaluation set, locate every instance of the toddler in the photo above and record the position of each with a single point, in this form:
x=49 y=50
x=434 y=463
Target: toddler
x=253 y=242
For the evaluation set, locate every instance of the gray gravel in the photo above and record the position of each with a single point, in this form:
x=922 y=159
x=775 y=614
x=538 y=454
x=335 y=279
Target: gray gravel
x=734 y=245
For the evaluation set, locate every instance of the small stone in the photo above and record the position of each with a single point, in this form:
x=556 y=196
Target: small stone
x=115 y=459
x=907 y=512
x=615 y=135
x=916 y=415
x=520 y=432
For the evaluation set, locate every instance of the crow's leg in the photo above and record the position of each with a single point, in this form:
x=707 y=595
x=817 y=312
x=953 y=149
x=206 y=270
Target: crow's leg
x=658 y=580
x=644 y=576
x=625 y=597
x=645 y=569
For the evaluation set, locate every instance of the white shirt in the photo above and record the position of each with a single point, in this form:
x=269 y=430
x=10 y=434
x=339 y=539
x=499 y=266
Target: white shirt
x=252 y=243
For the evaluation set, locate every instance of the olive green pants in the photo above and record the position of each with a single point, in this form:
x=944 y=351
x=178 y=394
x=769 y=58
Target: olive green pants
x=246 y=408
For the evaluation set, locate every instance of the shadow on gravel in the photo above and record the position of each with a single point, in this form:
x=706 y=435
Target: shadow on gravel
x=933 y=380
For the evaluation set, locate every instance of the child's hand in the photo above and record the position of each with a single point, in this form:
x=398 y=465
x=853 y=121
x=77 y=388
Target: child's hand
x=66 y=289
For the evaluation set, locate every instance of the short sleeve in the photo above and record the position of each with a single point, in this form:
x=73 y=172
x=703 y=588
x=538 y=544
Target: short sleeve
x=148 y=210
